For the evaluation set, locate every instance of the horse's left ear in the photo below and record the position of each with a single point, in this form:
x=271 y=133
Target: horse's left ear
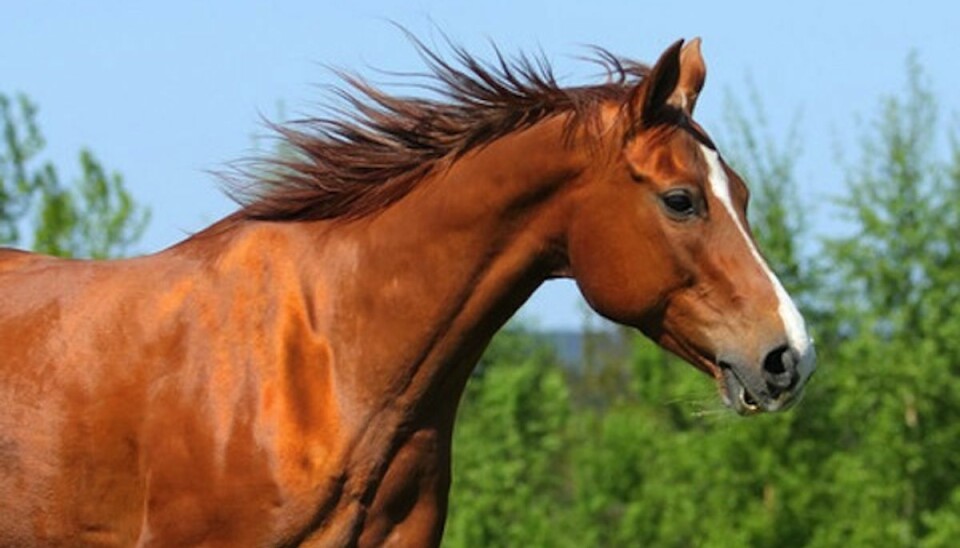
x=693 y=73
x=674 y=82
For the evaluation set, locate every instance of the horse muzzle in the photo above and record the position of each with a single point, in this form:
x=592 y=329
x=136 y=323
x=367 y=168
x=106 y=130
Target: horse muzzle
x=776 y=385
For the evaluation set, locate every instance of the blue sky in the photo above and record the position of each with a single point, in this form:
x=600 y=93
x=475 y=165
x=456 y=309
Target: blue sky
x=169 y=92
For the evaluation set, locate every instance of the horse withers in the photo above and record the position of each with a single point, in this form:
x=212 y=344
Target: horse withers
x=291 y=374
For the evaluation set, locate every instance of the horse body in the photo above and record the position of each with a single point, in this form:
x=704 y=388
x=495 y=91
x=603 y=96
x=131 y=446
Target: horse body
x=220 y=385
x=283 y=379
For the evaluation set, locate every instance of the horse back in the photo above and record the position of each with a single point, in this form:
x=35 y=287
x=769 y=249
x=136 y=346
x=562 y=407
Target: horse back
x=11 y=258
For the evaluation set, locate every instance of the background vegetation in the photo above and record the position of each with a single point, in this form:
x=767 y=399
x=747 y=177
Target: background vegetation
x=630 y=447
x=94 y=216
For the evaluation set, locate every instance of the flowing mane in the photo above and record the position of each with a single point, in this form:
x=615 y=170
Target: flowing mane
x=373 y=149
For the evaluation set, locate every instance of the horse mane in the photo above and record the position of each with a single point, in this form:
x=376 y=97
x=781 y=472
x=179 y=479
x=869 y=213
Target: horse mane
x=374 y=147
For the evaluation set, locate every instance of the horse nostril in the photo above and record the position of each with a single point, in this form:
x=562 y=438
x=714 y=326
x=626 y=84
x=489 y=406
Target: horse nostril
x=774 y=364
x=780 y=370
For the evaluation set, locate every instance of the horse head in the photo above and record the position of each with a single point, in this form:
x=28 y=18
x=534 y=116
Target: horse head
x=660 y=240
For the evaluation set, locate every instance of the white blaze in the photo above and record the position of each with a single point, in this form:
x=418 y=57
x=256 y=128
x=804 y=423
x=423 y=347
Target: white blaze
x=793 y=322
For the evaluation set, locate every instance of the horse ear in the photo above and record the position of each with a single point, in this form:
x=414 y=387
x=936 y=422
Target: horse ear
x=652 y=95
x=693 y=73
x=674 y=82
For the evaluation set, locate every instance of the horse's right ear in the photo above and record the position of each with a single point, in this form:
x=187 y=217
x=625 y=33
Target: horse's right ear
x=674 y=83
x=652 y=95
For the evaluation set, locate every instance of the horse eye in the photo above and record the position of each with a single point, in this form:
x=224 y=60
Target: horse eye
x=679 y=203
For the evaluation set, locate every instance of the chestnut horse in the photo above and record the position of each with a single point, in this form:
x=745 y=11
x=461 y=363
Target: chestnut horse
x=290 y=375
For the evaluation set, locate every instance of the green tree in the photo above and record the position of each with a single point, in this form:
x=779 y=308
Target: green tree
x=19 y=183
x=899 y=291
x=95 y=217
x=508 y=447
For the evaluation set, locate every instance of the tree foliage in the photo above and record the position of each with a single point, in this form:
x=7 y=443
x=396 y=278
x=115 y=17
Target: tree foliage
x=95 y=217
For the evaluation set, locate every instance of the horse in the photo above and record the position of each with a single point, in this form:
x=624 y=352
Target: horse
x=290 y=375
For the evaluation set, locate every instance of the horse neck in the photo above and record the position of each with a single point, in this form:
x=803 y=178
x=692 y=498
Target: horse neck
x=382 y=319
x=437 y=273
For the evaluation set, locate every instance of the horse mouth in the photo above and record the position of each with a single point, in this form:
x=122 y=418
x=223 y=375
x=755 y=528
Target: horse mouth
x=746 y=400
x=745 y=403
x=736 y=390
x=737 y=395
x=733 y=391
